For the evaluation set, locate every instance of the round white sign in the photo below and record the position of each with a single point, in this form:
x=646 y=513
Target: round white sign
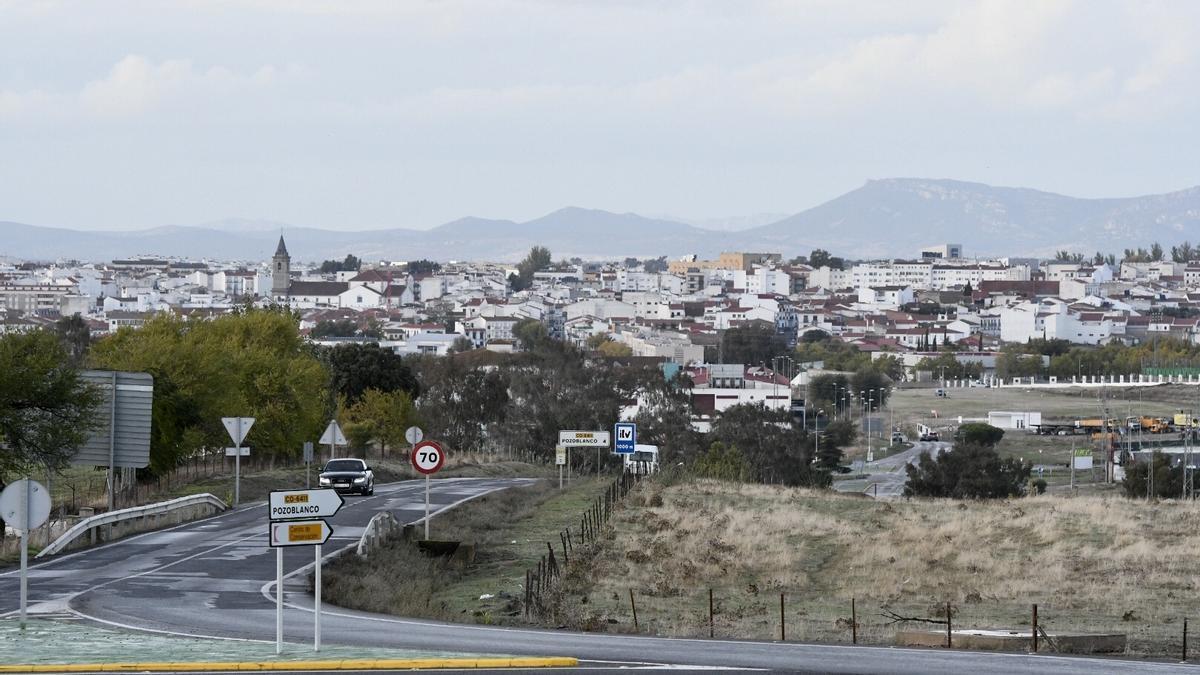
x=25 y=504
x=428 y=457
x=414 y=435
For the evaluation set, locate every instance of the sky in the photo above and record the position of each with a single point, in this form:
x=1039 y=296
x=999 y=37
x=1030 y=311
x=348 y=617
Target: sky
x=362 y=114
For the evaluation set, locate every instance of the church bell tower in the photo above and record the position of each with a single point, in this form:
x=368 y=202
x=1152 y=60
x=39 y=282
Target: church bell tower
x=281 y=266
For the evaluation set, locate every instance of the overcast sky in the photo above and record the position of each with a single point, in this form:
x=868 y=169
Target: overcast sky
x=353 y=114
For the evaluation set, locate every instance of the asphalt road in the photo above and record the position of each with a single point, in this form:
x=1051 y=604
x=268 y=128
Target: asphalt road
x=886 y=477
x=216 y=578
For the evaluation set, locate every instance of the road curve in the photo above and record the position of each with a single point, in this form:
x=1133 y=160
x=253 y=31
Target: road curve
x=215 y=578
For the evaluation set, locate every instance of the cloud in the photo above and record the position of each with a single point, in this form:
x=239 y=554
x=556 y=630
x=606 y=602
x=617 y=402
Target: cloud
x=136 y=85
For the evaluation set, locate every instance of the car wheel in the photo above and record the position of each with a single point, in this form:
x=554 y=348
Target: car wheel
x=371 y=490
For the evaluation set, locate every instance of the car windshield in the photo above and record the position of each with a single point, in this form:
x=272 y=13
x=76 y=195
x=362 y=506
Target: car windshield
x=344 y=465
x=643 y=456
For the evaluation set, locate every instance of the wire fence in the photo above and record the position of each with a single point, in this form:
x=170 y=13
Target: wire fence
x=542 y=580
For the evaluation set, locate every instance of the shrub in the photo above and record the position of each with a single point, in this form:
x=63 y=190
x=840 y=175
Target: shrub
x=979 y=433
x=968 y=471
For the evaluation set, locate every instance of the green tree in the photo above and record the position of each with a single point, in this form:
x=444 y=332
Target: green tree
x=461 y=344
x=385 y=415
x=614 y=349
x=1013 y=362
x=334 y=329
x=1168 y=479
x=814 y=335
x=46 y=409
x=423 y=266
x=249 y=364
x=722 y=463
x=531 y=334
x=460 y=402
x=349 y=264
x=356 y=368
x=967 y=472
x=821 y=258
x=1156 y=252
x=873 y=384
x=76 y=337
x=1184 y=253
x=756 y=343
x=978 y=433
x=538 y=259
x=777 y=450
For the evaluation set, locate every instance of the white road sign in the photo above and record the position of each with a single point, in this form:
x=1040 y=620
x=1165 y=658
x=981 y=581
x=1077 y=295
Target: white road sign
x=333 y=435
x=414 y=435
x=237 y=427
x=300 y=533
x=560 y=455
x=583 y=439
x=25 y=504
x=293 y=504
x=234 y=452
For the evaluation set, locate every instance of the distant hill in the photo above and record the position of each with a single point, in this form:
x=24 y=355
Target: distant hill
x=884 y=218
x=897 y=216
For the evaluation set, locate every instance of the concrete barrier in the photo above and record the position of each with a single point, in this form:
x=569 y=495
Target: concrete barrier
x=1015 y=641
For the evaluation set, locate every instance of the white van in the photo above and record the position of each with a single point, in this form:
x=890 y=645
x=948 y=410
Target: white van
x=643 y=461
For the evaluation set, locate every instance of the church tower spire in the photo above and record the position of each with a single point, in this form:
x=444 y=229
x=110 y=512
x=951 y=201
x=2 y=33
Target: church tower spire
x=281 y=267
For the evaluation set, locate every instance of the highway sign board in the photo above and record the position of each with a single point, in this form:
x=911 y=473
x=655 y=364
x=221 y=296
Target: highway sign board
x=235 y=452
x=333 y=435
x=1082 y=458
x=560 y=455
x=25 y=504
x=413 y=435
x=120 y=436
x=237 y=427
x=428 y=457
x=300 y=533
x=293 y=504
x=626 y=434
x=584 y=439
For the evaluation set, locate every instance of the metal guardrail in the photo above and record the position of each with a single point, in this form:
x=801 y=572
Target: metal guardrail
x=122 y=515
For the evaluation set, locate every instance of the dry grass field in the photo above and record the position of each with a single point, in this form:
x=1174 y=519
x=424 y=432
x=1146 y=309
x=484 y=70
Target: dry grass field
x=1091 y=563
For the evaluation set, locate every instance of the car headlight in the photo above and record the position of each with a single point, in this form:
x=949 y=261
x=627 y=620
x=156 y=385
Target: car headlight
x=359 y=481
x=324 y=480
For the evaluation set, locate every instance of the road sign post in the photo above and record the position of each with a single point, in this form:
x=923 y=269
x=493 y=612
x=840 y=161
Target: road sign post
x=626 y=435
x=237 y=427
x=333 y=437
x=25 y=505
x=584 y=439
x=297 y=520
x=560 y=458
x=427 y=458
x=308 y=458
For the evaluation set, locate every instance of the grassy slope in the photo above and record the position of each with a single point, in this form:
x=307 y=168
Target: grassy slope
x=1091 y=563
x=510 y=529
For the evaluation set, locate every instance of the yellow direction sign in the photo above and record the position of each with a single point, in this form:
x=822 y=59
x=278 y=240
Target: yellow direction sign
x=300 y=533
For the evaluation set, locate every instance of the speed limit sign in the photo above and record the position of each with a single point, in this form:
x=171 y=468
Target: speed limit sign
x=428 y=457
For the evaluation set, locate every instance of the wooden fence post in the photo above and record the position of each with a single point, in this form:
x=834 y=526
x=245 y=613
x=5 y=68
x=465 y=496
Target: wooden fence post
x=710 y=613
x=782 y=621
x=949 y=632
x=634 y=608
x=1185 y=638
x=1034 y=641
x=853 y=623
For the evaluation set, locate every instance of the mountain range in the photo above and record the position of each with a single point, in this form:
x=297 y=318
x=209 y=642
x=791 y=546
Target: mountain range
x=884 y=218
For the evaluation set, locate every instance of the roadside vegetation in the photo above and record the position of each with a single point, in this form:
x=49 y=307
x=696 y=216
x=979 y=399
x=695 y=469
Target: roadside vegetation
x=509 y=529
x=1092 y=564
